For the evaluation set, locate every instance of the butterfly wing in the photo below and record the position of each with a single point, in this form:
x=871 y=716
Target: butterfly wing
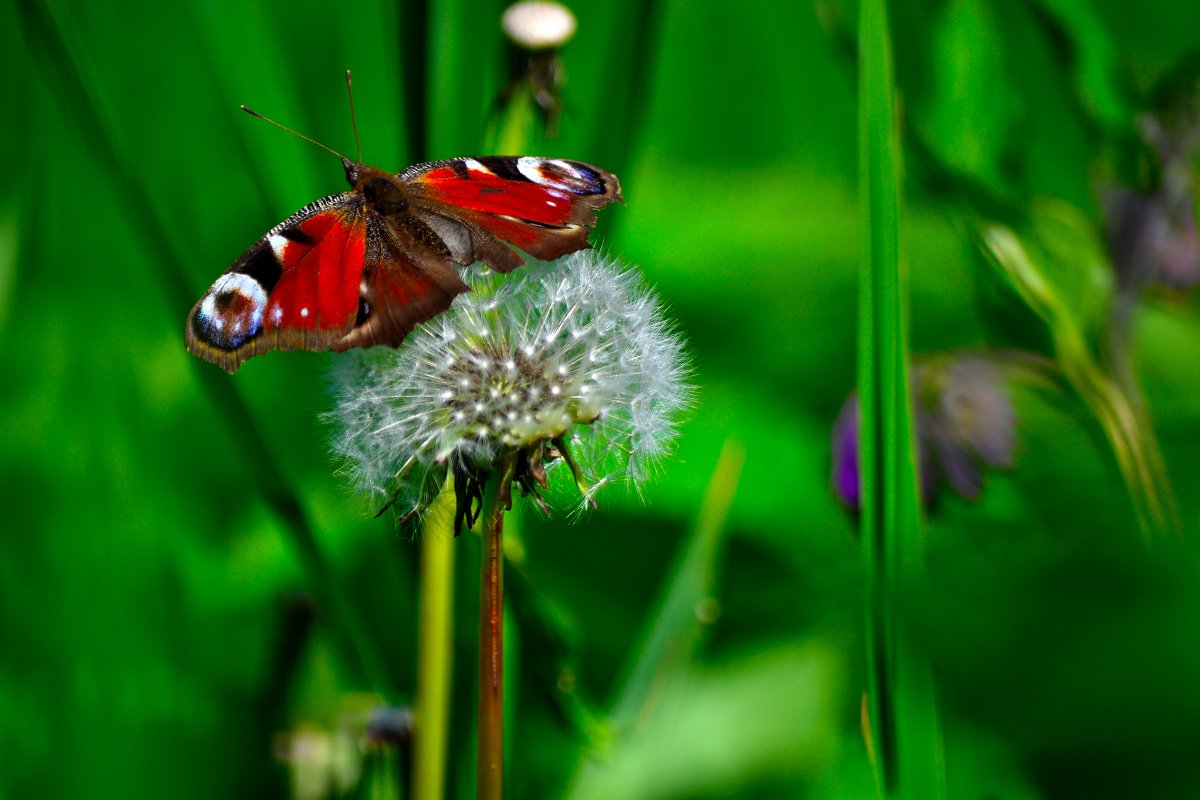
x=362 y=268
x=545 y=206
x=329 y=276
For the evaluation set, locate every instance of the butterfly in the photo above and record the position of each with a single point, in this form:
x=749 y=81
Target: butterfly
x=363 y=267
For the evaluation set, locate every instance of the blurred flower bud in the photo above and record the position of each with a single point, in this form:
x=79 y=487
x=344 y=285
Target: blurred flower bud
x=1152 y=229
x=964 y=423
x=389 y=726
x=537 y=29
x=323 y=763
x=538 y=24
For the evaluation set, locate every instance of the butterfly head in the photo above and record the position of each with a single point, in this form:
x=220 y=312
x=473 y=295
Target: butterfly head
x=354 y=171
x=381 y=190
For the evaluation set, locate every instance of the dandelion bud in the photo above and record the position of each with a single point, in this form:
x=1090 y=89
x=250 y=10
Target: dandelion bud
x=538 y=24
x=389 y=726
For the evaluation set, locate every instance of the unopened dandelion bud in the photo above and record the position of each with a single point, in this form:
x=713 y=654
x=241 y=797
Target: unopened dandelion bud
x=538 y=24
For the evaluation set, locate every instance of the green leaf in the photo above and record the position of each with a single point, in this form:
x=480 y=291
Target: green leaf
x=1094 y=61
x=973 y=109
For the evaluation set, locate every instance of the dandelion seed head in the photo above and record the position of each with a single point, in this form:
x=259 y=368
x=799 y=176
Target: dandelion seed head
x=577 y=348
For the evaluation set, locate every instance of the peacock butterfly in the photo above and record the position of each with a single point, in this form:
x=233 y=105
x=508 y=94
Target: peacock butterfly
x=363 y=267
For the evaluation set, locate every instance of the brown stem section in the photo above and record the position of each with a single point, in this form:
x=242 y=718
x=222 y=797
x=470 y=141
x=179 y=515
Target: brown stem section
x=490 y=779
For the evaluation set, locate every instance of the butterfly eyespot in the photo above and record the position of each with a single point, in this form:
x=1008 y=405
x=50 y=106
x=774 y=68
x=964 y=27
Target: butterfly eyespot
x=555 y=173
x=231 y=312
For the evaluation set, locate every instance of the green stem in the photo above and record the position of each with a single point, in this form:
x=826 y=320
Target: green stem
x=514 y=129
x=496 y=500
x=434 y=651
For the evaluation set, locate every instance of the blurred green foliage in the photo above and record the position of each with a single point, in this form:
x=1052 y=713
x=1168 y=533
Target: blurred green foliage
x=183 y=575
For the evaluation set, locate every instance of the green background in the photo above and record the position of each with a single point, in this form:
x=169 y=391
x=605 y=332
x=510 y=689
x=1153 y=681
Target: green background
x=166 y=526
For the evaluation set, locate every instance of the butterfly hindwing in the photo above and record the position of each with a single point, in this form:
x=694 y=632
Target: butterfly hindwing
x=545 y=206
x=401 y=287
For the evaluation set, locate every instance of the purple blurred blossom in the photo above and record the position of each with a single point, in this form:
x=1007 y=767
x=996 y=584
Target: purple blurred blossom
x=964 y=422
x=1152 y=235
x=845 y=453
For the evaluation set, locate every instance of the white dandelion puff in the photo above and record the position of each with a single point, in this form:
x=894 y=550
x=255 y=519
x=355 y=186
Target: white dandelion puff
x=570 y=362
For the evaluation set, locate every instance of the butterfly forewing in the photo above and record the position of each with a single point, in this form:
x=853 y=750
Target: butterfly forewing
x=544 y=206
x=273 y=297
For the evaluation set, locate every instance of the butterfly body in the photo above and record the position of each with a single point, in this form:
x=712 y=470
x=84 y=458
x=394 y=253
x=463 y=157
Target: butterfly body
x=363 y=267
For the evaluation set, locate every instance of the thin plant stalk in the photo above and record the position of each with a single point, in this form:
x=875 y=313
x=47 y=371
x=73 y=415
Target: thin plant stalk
x=496 y=500
x=1116 y=402
x=902 y=719
x=514 y=128
x=435 y=661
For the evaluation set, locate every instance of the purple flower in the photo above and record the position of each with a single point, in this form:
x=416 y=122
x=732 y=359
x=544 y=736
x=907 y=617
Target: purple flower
x=1152 y=236
x=964 y=422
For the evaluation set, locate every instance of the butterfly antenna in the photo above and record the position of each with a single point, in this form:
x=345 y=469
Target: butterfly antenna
x=254 y=113
x=353 y=124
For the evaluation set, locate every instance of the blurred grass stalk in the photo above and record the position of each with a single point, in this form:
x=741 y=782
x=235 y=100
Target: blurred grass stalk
x=435 y=662
x=675 y=628
x=512 y=132
x=905 y=736
x=55 y=43
x=1037 y=276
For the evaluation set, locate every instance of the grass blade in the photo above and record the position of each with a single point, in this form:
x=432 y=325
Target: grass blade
x=77 y=89
x=902 y=713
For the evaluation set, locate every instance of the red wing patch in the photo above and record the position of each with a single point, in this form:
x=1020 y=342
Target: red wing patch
x=297 y=287
x=486 y=192
x=322 y=261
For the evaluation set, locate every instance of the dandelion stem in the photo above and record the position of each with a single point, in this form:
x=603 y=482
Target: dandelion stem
x=497 y=500
x=434 y=651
